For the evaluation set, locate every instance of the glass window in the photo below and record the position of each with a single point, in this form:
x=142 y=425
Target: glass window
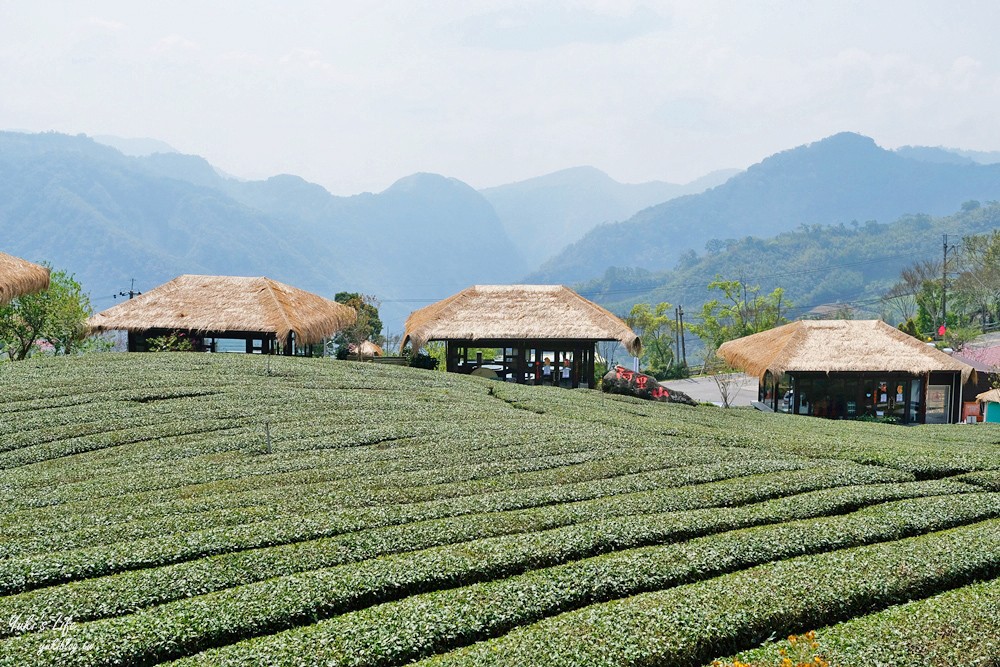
x=938 y=401
x=804 y=391
x=916 y=389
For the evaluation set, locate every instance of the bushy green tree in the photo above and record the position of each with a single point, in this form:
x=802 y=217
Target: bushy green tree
x=977 y=283
x=656 y=326
x=57 y=316
x=742 y=310
x=367 y=326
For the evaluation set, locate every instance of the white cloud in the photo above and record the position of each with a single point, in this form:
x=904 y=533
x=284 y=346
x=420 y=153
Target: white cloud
x=355 y=95
x=174 y=43
x=105 y=24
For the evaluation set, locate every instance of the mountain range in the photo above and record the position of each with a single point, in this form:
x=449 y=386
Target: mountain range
x=841 y=178
x=109 y=217
x=544 y=214
x=114 y=210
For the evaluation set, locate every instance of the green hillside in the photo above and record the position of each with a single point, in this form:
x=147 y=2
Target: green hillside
x=836 y=180
x=850 y=265
x=242 y=510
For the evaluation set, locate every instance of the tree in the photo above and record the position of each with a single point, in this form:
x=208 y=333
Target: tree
x=367 y=326
x=741 y=311
x=57 y=316
x=916 y=295
x=977 y=282
x=68 y=313
x=656 y=328
x=607 y=351
x=900 y=302
x=727 y=380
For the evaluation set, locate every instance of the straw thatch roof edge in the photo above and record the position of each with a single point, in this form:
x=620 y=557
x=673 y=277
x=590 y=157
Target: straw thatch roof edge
x=19 y=277
x=778 y=350
x=217 y=304
x=990 y=396
x=501 y=320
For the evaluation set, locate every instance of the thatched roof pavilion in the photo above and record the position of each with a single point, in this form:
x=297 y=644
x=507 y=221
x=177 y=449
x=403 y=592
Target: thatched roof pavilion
x=253 y=309
x=19 y=277
x=829 y=355
x=830 y=346
x=527 y=321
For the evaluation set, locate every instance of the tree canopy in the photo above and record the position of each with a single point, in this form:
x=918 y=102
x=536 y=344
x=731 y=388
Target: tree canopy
x=742 y=310
x=657 y=328
x=367 y=326
x=56 y=316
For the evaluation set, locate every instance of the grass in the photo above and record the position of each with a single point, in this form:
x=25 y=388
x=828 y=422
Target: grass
x=403 y=515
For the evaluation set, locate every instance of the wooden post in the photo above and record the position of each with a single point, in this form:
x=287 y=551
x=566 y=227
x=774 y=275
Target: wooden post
x=589 y=354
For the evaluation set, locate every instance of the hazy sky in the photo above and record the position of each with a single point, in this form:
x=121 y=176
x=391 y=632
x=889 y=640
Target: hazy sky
x=354 y=95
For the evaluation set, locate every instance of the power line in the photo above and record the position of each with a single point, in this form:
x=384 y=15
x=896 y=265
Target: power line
x=131 y=293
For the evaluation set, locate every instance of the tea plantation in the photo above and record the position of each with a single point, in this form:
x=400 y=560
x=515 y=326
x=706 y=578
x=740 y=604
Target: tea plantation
x=202 y=510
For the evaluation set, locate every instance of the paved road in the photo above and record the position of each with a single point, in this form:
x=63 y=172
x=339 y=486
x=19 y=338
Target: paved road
x=706 y=389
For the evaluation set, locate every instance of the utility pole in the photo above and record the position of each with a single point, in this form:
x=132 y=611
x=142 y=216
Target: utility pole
x=677 y=334
x=944 y=284
x=684 y=356
x=131 y=293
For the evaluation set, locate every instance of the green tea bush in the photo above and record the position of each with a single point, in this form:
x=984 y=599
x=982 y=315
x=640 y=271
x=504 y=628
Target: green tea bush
x=397 y=515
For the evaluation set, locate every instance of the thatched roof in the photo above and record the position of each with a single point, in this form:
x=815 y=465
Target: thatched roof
x=836 y=346
x=991 y=396
x=368 y=349
x=226 y=303
x=19 y=277
x=517 y=312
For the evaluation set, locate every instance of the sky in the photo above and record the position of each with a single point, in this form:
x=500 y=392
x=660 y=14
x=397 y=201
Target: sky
x=355 y=95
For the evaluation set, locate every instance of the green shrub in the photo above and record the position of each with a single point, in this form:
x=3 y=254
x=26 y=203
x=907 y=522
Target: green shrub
x=175 y=341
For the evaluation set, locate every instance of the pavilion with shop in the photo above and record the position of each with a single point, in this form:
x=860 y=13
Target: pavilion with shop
x=19 y=277
x=542 y=334
x=850 y=369
x=260 y=315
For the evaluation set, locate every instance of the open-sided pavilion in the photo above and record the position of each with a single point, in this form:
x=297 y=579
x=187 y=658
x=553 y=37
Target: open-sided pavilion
x=269 y=316
x=545 y=334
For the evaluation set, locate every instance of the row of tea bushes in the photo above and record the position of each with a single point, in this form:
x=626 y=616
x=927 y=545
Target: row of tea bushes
x=957 y=627
x=597 y=527
x=29 y=572
x=711 y=616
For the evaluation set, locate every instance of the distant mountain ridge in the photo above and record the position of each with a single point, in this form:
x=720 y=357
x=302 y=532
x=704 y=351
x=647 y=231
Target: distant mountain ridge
x=954 y=155
x=841 y=178
x=107 y=217
x=135 y=147
x=544 y=214
x=818 y=265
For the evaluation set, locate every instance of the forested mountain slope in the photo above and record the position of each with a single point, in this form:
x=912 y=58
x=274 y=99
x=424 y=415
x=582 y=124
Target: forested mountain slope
x=108 y=218
x=816 y=265
x=841 y=179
